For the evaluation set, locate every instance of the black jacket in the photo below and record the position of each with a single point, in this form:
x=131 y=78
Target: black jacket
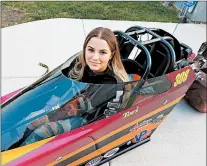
x=102 y=88
x=106 y=77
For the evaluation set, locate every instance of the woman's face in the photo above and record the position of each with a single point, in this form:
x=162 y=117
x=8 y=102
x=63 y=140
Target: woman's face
x=97 y=54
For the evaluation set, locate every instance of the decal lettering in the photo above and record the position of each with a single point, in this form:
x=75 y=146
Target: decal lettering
x=139 y=137
x=111 y=152
x=146 y=135
x=118 y=95
x=55 y=107
x=139 y=125
x=113 y=107
x=130 y=113
x=143 y=135
x=181 y=77
x=94 y=161
x=145 y=122
x=59 y=158
x=158 y=119
x=136 y=127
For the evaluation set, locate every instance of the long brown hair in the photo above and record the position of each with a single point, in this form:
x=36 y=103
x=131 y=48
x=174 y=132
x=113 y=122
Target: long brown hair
x=115 y=63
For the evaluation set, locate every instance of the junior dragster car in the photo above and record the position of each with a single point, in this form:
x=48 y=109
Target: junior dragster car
x=60 y=121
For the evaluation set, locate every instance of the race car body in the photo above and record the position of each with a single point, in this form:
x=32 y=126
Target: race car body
x=60 y=121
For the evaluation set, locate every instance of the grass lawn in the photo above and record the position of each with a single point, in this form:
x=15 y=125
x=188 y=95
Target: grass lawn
x=131 y=11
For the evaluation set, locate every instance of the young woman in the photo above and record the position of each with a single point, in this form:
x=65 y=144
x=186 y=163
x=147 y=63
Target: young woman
x=99 y=63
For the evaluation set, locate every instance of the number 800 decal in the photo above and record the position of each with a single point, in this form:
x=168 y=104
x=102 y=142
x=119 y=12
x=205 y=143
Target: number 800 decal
x=181 y=77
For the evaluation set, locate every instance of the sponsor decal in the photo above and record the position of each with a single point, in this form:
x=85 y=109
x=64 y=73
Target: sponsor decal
x=113 y=107
x=158 y=119
x=130 y=113
x=181 y=77
x=111 y=152
x=55 y=107
x=129 y=142
x=138 y=137
x=144 y=134
x=94 y=161
x=119 y=94
x=139 y=125
x=59 y=158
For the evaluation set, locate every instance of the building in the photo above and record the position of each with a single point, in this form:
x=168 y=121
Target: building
x=195 y=13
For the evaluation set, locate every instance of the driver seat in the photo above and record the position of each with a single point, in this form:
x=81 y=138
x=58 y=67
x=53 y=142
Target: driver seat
x=132 y=68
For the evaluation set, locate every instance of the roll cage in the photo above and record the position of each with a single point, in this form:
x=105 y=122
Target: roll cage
x=155 y=54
